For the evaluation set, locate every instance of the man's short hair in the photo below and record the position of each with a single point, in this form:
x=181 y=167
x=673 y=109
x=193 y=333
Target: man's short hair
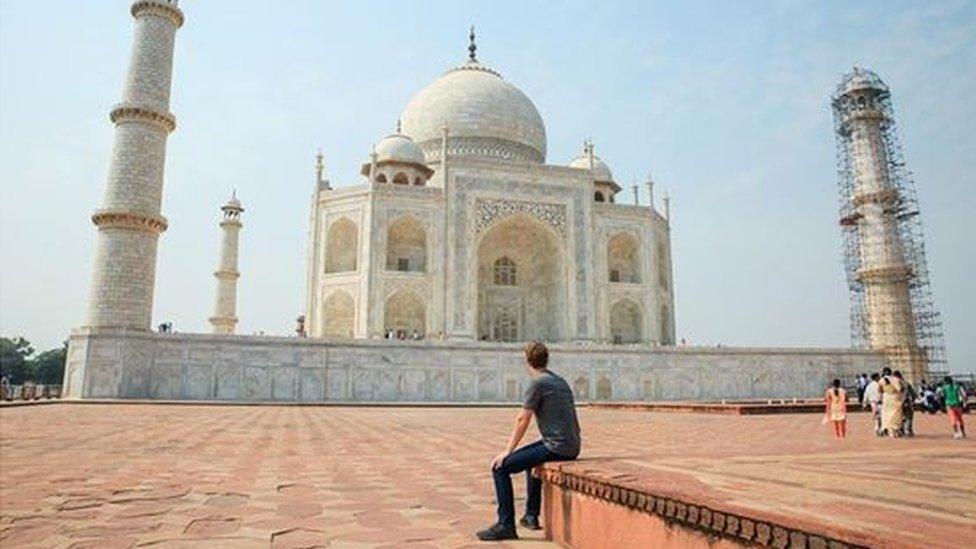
x=536 y=355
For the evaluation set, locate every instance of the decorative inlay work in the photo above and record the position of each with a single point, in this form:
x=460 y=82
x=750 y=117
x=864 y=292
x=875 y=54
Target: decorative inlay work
x=688 y=515
x=125 y=113
x=488 y=211
x=161 y=9
x=481 y=146
x=154 y=224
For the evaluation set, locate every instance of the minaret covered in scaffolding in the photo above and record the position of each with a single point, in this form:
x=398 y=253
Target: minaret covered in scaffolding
x=884 y=252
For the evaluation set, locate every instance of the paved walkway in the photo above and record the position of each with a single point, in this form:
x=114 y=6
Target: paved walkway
x=227 y=476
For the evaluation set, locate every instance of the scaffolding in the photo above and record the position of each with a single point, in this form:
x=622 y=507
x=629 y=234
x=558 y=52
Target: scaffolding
x=903 y=206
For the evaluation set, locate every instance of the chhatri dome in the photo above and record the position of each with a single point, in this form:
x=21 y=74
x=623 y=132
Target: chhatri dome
x=601 y=172
x=485 y=116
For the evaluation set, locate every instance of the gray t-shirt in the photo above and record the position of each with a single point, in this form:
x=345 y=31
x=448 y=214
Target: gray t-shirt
x=550 y=397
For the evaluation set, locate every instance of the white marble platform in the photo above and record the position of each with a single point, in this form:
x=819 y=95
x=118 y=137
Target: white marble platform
x=118 y=364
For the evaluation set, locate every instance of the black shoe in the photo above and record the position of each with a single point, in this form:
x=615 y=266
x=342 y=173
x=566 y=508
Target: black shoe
x=497 y=532
x=530 y=522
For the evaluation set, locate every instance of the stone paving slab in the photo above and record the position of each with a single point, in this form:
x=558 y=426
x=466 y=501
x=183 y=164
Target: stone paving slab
x=228 y=476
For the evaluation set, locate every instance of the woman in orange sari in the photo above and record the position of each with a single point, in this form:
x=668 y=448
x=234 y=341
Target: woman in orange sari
x=836 y=413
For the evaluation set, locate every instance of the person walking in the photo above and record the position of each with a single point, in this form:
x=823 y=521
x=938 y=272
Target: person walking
x=909 y=396
x=955 y=402
x=550 y=399
x=872 y=398
x=836 y=413
x=862 y=384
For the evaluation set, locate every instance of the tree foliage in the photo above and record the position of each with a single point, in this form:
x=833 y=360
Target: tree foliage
x=17 y=360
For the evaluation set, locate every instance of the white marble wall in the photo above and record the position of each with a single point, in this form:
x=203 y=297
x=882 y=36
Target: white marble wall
x=116 y=364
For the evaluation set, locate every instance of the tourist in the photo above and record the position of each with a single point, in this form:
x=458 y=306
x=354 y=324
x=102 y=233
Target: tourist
x=955 y=402
x=4 y=387
x=909 y=395
x=550 y=399
x=930 y=400
x=892 y=396
x=836 y=412
x=862 y=383
x=872 y=398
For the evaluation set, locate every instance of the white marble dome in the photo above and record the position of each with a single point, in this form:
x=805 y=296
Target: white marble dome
x=486 y=117
x=601 y=172
x=399 y=148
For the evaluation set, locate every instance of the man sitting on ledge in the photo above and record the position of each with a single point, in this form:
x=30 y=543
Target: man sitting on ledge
x=550 y=398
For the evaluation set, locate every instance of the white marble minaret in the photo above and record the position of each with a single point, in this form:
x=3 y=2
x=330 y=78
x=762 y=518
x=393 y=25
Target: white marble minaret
x=129 y=221
x=225 y=305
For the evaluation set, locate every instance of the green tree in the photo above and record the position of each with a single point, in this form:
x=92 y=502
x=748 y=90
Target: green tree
x=14 y=358
x=48 y=367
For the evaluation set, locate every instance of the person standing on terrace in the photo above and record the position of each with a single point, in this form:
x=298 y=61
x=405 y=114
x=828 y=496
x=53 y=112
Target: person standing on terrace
x=837 y=408
x=550 y=399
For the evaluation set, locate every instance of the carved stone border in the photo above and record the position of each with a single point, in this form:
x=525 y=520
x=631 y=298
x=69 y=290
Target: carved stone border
x=487 y=211
x=740 y=529
x=161 y=9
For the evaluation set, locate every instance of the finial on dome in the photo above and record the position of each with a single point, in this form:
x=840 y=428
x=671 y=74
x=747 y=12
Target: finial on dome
x=472 y=48
x=398 y=127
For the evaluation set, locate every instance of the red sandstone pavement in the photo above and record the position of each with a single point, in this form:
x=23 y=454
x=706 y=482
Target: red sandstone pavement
x=228 y=476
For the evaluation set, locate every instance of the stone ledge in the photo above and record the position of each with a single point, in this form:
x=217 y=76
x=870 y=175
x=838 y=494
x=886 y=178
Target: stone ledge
x=116 y=219
x=717 y=522
x=731 y=408
x=125 y=112
x=162 y=9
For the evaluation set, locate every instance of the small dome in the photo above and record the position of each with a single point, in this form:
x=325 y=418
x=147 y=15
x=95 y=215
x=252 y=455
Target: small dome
x=485 y=115
x=860 y=79
x=399 y=148
x=601 y=172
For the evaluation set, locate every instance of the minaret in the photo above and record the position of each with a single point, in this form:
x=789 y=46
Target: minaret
x=225 y=305
x=650 y=191
x=129 y=221
x=876 y=207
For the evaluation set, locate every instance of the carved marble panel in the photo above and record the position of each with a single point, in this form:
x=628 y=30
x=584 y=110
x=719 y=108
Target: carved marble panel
x=464 y=386
x=284 y=383
x=312 y=384
x=198 y=381
x=257 y=383
x=487 y=211
x=167 y=381
x=228 y=381
x=337 y=380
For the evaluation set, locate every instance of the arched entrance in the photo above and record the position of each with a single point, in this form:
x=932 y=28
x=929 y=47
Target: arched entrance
x=405 y=313
x=521 y=282
x=625 y=322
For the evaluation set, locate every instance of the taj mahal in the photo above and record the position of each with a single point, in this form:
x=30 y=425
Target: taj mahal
x=459 y=241
x=461 y=229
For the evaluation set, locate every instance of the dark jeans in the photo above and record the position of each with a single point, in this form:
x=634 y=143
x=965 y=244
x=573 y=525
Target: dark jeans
x=523 y=459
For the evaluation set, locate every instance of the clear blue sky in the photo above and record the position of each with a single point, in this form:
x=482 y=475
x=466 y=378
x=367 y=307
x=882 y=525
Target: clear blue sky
x=725 y=103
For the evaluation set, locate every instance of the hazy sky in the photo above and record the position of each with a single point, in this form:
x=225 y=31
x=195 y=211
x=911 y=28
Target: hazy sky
x=725 y=103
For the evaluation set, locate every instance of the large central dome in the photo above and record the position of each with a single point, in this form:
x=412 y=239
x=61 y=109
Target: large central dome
x=485 y=115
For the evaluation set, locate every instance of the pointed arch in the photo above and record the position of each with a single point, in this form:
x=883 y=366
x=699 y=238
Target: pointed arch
x=340 y=315
x=406 y=245
x=405 y=311
x=581 y=387
x=341 y=246
x=604 y=388
x=623 y=259
x=626 y=322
